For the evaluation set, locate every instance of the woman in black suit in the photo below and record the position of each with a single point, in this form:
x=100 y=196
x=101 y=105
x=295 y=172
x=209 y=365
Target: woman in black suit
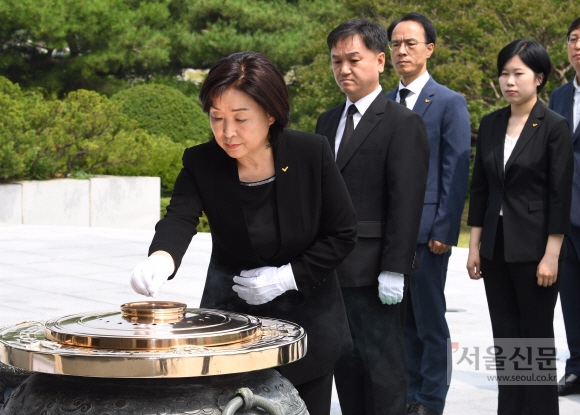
x=519 y=212
x=281 y=219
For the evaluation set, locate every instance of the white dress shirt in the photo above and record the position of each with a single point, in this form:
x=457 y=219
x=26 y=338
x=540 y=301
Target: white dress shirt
x=576 y=109
x=362 y=105
x=508 y=148
x=415 y=87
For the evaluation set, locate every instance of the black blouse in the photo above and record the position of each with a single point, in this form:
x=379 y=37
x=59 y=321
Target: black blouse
x=261 y=211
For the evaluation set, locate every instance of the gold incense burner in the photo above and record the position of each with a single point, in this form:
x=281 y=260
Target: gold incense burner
x=152 y=339
x=150 y=357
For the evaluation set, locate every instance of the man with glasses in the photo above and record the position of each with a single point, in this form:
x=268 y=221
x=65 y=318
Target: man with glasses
x=382 y=152
x=565 y=100
x=412 y=41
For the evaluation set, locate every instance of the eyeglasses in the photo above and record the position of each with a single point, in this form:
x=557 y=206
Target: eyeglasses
x=410 y=44
x=572 y=40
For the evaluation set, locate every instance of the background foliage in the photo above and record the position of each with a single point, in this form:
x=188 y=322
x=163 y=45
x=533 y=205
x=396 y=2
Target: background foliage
x=163 y=110
x=108 y=45
x=61 y=59
x=83 y=133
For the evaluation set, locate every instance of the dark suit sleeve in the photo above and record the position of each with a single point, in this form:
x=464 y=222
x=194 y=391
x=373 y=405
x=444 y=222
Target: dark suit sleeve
x=554 y=97
x=560 y=175
x=337 y=233
x=406 y=170
x=479 y=191
x=173 y=233
x=455 y=147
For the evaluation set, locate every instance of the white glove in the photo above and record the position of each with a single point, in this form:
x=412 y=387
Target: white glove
x=260 y=285
x=149 y=275
x=391 y=286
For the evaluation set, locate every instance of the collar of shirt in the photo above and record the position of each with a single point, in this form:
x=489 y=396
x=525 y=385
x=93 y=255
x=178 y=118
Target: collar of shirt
x=362 y=105
x=415 y=87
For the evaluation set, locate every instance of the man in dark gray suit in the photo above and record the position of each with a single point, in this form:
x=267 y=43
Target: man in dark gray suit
x=565 y=100
x=382 y=152
x=412 y=41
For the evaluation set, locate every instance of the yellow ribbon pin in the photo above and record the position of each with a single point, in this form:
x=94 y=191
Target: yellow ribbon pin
x=533 y=125
x=427 y=100
x=284 y=169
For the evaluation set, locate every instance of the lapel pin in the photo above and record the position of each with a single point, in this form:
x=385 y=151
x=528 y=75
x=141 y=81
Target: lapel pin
x=284 y=169
x=534 y=125
x=427 y=100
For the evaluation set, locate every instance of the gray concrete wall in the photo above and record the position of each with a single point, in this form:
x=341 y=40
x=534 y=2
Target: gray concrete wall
x=104 y=201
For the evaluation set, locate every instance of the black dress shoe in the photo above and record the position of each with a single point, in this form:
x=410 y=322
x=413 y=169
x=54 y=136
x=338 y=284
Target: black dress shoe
x=417 y=408
x=410 y=406
x=569 y=385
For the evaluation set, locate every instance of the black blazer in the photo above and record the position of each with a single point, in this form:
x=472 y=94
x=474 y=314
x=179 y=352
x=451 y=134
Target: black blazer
x=535 y=190
x=385 y=168
x=317 y=229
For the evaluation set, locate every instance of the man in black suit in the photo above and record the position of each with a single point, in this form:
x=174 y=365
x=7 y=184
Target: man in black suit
x=382 y=151
x=565 y=100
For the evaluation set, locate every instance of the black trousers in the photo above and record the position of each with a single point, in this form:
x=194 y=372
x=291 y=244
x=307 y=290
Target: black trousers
x=519 y=308
x=570 y=299
x=317 y=394
x=372 y=378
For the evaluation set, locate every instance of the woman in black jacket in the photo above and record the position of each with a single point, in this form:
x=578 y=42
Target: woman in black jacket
x=281 y=218
x=519 y=212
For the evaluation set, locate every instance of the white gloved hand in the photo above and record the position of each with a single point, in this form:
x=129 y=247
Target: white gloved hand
x=391 y=286
x=260 y=285
x=149 y=275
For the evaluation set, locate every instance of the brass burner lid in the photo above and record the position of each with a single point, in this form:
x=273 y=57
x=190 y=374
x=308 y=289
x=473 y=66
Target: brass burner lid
x=152 y=325
x=152 y=339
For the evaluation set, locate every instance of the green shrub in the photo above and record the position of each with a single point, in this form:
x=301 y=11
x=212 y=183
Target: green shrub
x=16 y=139
x=163 y=110
x=87 y=132
x=42 y=138
x=163 y=160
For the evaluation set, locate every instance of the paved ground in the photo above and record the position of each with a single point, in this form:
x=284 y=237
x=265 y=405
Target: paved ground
x=48 y=272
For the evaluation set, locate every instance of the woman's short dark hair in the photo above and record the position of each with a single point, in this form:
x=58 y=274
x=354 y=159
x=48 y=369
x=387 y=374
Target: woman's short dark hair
x=531 y=53
x=428 y=26
x=373 y=35
x=254 y=74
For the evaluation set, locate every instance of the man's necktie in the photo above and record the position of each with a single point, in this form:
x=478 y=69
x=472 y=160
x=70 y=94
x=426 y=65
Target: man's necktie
x=348 y=128
x=403 y=95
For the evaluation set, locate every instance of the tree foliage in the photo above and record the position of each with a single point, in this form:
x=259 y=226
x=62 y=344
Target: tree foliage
x=16 y=138
x=108 y=45
x=64 y=45
x=86 y=132
x=163 y=110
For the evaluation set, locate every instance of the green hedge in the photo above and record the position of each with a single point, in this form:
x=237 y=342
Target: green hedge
x=16 y=138
x=164 y=111
x=87 y=133
x=43 y=138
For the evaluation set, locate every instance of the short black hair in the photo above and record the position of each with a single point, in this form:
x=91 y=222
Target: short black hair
x=254 y=74
x=575 y=25
x=428 y=26
x=531 y=53
x=373 y=34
